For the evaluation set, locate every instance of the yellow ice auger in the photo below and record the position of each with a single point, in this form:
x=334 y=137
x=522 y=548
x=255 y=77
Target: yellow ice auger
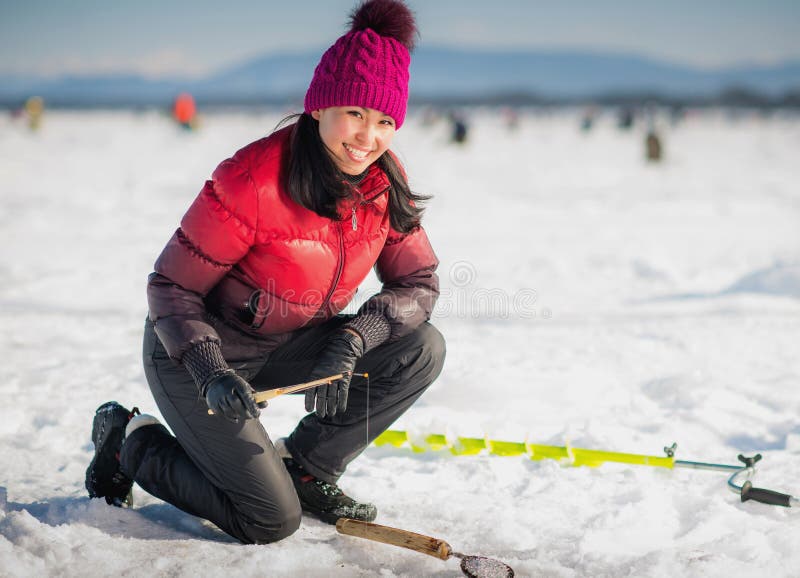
x=568 y=455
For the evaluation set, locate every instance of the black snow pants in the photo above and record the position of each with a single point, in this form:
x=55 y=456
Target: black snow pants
x=230 y=473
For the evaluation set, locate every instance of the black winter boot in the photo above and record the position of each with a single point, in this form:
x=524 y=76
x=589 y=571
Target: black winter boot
x=104 y=477
x=324 y=500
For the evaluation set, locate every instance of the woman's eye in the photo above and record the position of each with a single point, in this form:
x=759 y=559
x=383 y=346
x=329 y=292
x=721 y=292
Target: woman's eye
x=354 y=113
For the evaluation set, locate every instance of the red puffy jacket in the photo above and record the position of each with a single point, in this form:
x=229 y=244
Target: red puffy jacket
x=248 y=265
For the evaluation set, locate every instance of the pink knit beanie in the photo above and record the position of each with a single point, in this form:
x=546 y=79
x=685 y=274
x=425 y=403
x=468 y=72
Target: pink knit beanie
x=368 y=66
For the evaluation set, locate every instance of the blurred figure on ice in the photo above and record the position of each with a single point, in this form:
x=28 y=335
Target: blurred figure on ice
x=184 y=111
x=248 y=293
x=18 y=112
x=652 y=145
x=677 y=114
x=587 y=121
x=430 y=117
x=511 y=118
x=625 y=118
x=459 y=128
x=34 y=111
x=652 y=141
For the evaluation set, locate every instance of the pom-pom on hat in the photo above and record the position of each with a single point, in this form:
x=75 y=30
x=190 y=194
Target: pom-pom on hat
x=368 y=66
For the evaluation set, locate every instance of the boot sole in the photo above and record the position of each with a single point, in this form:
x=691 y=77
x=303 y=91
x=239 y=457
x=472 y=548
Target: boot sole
x=108 y=427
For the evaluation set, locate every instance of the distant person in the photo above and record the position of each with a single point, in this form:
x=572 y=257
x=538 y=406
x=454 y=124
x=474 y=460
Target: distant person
x=587 y=121
x=18 y=112
x=511 y=116
x=652 y=141
x=653 y=146
x=459 y=128
x=677 y=113
x=430 y=117
x=625 y=118
x=34 y=110
x=184 y=111
x=248 y=293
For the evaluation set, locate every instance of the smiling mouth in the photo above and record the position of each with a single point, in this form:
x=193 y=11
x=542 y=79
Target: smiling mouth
x=356 y=153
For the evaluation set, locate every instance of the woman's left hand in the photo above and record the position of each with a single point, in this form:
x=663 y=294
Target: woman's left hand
x=340 y=355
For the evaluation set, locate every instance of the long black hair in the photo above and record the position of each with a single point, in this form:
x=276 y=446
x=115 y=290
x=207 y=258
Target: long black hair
x=315 y=182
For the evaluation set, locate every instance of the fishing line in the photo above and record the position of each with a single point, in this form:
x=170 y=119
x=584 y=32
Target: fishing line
x=366 y=376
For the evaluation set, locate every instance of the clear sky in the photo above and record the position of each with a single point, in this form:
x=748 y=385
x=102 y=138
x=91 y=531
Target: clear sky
x=195 y=37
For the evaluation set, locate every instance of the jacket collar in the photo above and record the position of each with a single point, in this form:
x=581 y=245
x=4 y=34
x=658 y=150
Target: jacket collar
x=375 y=183
x=370 y=191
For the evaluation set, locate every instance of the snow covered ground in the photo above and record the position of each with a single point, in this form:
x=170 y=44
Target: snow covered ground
x=587 y=297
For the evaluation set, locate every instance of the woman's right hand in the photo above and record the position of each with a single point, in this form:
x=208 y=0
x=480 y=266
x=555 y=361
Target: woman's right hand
x=230 y=395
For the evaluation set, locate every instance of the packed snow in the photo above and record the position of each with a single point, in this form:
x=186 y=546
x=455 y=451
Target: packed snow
x=588 y=297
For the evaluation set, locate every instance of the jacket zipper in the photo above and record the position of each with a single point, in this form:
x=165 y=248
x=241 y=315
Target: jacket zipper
x=339 y=268
x=340 y=264
x=359 y=200
x=361 y=203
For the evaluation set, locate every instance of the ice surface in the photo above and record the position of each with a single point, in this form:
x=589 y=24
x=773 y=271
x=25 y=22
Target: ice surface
x=586 y=296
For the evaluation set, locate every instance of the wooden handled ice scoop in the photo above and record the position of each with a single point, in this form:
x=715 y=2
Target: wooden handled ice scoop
x=473 y=566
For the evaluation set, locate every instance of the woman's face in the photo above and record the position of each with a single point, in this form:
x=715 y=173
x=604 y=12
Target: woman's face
x=355 y=136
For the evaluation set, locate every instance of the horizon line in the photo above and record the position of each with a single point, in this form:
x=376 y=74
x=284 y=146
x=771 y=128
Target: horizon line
x=106 y=71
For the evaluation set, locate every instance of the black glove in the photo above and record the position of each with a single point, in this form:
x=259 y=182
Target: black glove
x=230 y=395
x=344 y=348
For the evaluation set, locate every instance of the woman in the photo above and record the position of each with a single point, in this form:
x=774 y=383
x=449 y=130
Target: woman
x=247 y=294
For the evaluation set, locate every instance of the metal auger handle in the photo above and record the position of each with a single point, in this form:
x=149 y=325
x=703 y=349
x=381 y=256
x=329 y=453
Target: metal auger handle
x=739 y=480
x=770 y=497
x=748 y=492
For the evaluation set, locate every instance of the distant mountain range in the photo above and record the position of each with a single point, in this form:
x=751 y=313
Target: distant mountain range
x=437 y=74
